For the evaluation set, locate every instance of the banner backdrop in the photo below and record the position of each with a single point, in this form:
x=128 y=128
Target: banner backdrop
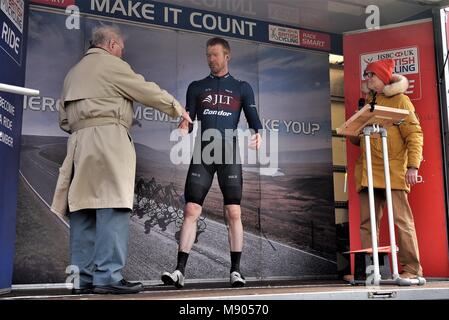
x=13 y=26
x=287 y=210
x=414 y=58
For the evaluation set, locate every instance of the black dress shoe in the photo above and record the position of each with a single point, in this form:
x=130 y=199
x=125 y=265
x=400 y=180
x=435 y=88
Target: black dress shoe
x=121 y=287
x=84 y=290
x=135 y=284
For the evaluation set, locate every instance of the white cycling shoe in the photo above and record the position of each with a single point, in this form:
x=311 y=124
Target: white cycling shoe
x=237 y=280
x=176 y=278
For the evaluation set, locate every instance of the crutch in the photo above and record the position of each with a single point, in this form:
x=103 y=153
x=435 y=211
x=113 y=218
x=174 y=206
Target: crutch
x=18 y=90
x=367 y=132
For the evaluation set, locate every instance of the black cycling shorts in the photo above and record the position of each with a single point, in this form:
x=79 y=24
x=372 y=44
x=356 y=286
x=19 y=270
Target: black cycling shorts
x=200 y=177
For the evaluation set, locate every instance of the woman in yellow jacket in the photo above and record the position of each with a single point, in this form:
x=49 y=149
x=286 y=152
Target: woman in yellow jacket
x=405 y=143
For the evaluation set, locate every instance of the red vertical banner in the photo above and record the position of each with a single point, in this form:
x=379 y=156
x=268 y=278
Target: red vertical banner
x=412 y=48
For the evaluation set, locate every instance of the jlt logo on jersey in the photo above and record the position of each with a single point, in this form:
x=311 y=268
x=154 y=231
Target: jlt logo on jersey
x=218 y=99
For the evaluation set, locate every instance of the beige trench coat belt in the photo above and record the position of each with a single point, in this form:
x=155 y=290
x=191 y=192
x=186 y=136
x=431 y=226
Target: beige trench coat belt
x=60 y=204
x=95 y=122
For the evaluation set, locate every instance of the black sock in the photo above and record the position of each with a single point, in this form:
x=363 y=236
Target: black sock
x=182 y=261
x=235 y=261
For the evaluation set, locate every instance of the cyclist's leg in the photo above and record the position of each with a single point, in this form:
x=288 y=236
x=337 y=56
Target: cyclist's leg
x=198 y=182
x=230 y=181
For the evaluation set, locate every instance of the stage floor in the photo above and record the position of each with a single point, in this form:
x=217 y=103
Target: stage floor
x=435 y=289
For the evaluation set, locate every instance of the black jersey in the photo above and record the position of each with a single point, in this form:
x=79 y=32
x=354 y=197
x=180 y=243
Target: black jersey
x=218 y=102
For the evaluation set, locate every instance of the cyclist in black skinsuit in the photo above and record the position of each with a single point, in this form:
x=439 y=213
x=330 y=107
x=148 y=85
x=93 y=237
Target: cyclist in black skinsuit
x=216 y=101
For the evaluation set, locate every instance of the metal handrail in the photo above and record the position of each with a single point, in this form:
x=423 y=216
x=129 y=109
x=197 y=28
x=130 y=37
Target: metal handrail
x=18 y=90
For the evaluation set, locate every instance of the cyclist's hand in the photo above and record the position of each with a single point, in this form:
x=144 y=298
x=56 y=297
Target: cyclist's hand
x=184 y=124
x=256 y=141
x=183 y=127
x=186 y=117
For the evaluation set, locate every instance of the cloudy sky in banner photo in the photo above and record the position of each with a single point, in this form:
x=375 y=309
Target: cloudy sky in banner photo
x=290 y=85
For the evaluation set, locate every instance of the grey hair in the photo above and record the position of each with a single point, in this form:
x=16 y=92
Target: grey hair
x=103 y=34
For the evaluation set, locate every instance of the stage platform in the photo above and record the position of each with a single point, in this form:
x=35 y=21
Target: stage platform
x=435 y=289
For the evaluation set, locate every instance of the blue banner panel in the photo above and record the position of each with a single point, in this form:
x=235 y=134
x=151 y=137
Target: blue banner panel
x=183 y=18
x=13 y=26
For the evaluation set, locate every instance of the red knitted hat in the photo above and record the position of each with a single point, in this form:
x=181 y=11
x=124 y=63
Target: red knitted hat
x=383 y=69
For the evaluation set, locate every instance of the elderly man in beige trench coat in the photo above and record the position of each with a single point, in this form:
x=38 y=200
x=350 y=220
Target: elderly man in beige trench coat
x=96 y=180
